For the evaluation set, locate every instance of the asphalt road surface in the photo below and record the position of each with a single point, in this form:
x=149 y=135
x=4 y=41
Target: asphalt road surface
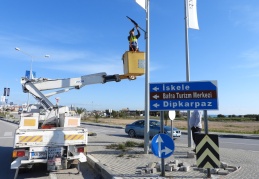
x=38 y=171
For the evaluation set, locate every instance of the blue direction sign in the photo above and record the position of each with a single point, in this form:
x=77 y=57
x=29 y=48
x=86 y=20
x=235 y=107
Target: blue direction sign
x=162 y=146
x=201 y=95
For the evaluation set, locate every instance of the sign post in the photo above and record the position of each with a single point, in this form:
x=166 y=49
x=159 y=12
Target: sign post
x=162 y=146
x=159 y=144
x=172 y=117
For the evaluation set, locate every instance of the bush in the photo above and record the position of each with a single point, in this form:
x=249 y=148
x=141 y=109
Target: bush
x=124 y=146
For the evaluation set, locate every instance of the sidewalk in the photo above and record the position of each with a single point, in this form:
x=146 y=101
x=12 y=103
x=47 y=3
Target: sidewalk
x=133 y=163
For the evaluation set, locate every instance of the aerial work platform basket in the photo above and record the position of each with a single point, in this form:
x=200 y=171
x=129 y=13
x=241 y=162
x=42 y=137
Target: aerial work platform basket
x=133 y=64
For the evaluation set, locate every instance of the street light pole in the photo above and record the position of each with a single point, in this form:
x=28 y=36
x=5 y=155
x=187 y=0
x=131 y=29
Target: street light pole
x=32 y=57
x=30 y=76
x=31 y=68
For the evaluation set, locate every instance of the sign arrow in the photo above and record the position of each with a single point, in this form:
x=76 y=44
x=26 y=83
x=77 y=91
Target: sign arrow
x=166 y=150
x=159 y=141
x=156 y=105
x=155 y=88
x=156 y=96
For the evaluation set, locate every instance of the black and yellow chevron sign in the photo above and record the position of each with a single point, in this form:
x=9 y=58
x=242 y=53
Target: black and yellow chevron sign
x=207 y=151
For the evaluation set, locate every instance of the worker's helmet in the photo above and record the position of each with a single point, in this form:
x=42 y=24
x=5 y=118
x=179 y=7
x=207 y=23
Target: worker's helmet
x=132 y=30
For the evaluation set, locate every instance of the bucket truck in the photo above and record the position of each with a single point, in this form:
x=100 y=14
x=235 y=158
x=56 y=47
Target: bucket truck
x=56 y=138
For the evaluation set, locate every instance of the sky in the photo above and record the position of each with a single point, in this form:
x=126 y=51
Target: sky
x=85 y=37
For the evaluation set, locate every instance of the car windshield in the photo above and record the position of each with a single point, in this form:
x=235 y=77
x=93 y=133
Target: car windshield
x=154 y=123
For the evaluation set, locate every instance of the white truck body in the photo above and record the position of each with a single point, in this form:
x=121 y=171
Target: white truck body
x=57 y=147
x=48 y=145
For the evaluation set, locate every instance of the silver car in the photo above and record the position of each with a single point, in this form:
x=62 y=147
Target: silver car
x=136 y=129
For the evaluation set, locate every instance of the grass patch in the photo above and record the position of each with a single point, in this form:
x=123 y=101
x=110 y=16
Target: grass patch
x=125 y=145
x=234 y=126
x=121 y=155
x=112 y=146
x=133 y=144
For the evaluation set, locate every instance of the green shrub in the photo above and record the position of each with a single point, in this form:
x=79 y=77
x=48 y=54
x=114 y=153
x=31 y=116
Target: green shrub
x=256 y=132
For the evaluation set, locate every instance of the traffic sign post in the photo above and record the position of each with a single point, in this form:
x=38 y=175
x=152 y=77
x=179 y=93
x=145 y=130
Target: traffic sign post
x=162 y=146
x=183 y=96
x=172 y=117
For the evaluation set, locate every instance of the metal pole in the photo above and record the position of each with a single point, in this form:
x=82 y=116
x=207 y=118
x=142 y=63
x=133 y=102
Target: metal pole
x=5 y=104
x=187 y=68
x=31 y=68
x=46 y=56
x=162 y=132
x=28 y=99
x=172 y=130
x=206 y=127
x=146 y=134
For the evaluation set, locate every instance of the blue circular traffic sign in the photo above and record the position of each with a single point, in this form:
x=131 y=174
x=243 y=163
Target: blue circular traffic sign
x=162 y=145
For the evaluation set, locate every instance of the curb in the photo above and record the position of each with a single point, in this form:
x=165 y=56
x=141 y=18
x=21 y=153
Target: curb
x=225 y=135
x=101 y=124
x=102 y=170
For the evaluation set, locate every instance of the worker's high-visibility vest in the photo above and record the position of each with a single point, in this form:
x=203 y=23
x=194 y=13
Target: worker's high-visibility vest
x=133 y=41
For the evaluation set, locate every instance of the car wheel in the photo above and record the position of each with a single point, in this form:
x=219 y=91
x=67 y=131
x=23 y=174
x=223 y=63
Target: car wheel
x=132 y=133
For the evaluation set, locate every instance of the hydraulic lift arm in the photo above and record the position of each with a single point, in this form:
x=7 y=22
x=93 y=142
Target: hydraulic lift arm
x=133 y=65
x=35 y=86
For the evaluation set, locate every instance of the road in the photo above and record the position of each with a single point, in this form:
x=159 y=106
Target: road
x=40 y=172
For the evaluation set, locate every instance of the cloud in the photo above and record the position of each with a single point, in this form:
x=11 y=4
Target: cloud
x=245 y=15
x=251 y=55
x=251 y=58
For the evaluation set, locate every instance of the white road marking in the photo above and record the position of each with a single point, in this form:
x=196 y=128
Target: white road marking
x=8 y=134
x=6 y=137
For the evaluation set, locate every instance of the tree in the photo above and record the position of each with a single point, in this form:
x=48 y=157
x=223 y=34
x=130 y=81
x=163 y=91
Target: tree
x=96 y=116
x=178 y=114
x=114 y=114
x=221 y=115
x=80 y=110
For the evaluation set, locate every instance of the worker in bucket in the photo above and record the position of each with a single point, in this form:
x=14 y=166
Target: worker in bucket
x=133 y=40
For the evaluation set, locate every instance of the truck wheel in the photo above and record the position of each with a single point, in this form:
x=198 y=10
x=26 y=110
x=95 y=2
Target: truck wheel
x=69 y=164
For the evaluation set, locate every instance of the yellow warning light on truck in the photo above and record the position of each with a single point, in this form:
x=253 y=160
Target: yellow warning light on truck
x=133 y=63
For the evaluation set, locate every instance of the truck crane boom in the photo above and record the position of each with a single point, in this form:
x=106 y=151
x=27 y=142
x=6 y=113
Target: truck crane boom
x=35 y=86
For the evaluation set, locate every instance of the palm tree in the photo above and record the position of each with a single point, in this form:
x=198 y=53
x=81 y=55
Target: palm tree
x=80 y=110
